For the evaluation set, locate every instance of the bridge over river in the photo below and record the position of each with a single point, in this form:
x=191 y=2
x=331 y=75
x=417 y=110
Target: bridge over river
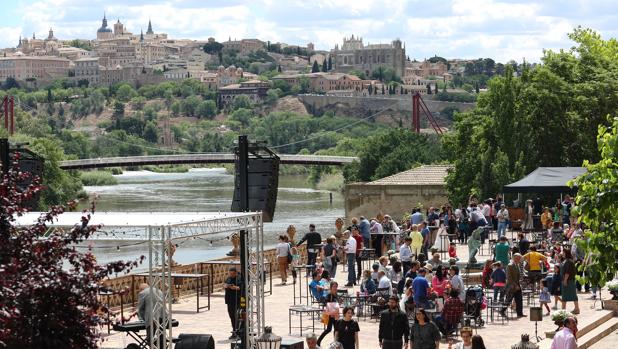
x=205 y=158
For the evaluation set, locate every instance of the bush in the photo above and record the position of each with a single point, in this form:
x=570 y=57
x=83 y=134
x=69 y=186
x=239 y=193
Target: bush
x=96 y=178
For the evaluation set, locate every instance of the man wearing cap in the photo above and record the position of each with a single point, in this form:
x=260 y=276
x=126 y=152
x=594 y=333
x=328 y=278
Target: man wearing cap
x=393 y=326
x=232 y=299
x=314 y=240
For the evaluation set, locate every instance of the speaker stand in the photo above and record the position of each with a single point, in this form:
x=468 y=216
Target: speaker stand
x=536 y=332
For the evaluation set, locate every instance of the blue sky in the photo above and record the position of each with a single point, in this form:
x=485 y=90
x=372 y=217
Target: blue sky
x=501 y=29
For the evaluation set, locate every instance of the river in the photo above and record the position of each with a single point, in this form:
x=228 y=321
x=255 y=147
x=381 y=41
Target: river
x=208 y=190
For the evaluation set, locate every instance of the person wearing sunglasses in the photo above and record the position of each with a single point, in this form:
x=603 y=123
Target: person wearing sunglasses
x=424 y=334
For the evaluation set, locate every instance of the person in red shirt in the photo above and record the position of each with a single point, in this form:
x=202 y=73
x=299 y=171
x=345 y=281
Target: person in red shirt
x=452 y=251
x=359 y=246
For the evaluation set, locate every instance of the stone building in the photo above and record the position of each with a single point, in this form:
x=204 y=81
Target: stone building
x=398 y=194
x=21 y=67
x=353 y=54
x=244 y=46
x=324 y=82
x=426 y=69
x=88 y=69
x=254 y=89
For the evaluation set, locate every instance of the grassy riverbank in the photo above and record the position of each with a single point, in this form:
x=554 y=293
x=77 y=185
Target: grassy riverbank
x=97 y=178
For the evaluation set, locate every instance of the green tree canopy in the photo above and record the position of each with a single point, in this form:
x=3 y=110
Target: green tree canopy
x=393 y=151
x=548 y=116
x=597 y=207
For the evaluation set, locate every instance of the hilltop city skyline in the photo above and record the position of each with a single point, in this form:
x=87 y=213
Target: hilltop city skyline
x=452 y=29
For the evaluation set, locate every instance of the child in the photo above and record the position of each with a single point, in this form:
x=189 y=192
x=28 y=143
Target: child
x=498 y=281
x=545 y=297
x=374 y=275
x=554 y=286
x=452 y=251
x=486 y=274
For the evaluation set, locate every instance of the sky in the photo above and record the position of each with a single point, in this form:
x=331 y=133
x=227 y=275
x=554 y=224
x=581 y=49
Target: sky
x=500 y=29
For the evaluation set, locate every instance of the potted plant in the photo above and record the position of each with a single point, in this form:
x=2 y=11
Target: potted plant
x=558 y=318
x=612 y=286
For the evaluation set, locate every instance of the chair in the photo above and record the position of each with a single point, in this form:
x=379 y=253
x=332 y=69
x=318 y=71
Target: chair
x=376 y=308
x=497 y=306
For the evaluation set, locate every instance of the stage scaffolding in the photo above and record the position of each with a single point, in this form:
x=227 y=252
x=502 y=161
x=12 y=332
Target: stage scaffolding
x=161 y=230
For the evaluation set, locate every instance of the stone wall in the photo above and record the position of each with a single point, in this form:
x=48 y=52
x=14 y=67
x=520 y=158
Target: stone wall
x=368 y=200
x=130 y=284
x=368 y=105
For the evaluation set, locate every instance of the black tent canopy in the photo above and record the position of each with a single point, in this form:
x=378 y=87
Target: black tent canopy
x=546 y=180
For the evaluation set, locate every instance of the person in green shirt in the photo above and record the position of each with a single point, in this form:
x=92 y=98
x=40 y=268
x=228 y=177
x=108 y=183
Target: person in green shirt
x=502 y=251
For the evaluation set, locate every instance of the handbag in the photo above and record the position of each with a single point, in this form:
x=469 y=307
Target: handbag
x=289 y=254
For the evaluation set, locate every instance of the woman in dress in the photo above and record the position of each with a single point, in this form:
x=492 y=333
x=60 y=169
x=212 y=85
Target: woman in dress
x=528 y=224
x=568 y=291
x=346 y=330
x=424 y=334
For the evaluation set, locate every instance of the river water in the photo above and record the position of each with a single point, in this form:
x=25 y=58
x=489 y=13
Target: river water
x=208 y=190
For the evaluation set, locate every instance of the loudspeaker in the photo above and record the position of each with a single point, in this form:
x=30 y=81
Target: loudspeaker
x=291 y=343
x=195 y=341
x=263 y=185
x=536 y=314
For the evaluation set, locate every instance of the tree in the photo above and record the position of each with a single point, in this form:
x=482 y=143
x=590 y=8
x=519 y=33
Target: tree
x=242 y=115
x=151 y=132
x=279 y=68
x=382 y=88
x=272 y=96
x=213 y=48
x=50 y=96
x=506 y=135
x=241 y=101
x=477 y=88
x=316 y=67
x=45 y=303
x=361 y=75
x=330 y=63
x=207 y=109
x=597 y=207
x=393 y=151
x=428 y=89
x=324 y=66
x=125 y=92
x=190 y=104
x=436 y=88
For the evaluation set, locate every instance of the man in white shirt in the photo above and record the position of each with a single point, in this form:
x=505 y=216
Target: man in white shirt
x=384 y=282
x=565 y=338
x=405 y=255
x=350 y=250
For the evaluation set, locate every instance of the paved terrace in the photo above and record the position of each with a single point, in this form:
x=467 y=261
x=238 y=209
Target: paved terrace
x=495 y=335
x=205 y=158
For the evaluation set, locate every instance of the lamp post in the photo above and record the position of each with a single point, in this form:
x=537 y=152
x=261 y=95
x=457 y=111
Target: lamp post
x=268 y=340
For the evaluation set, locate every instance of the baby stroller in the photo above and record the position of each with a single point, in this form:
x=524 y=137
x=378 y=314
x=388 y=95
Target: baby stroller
x=475 y=302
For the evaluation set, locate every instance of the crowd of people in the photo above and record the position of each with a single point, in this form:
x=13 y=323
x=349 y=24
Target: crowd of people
x=409 y=276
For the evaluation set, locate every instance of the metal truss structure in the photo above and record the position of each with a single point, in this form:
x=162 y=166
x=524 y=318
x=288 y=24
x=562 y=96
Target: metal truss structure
x=161 y=236
x=159 y=271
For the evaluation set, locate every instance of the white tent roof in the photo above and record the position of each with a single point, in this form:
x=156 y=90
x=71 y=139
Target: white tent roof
x=129 y=219
x=134 y=225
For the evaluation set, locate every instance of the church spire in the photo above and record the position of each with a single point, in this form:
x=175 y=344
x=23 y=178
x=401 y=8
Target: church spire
x=149 y=31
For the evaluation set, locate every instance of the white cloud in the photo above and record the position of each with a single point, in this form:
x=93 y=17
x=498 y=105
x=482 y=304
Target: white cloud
x=502 y=29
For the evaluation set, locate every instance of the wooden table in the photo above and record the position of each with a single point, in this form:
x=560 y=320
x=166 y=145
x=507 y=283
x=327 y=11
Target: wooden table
x=198 y=277
x=212 y=264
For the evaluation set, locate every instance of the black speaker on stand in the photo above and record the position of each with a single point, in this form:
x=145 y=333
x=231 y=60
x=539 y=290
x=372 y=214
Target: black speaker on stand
x=263 y=181
x=536 y=315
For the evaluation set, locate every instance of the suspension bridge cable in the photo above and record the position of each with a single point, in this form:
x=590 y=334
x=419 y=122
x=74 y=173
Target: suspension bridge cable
x=335 y=130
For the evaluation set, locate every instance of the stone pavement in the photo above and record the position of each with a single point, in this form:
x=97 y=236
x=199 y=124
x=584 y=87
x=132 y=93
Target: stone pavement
x=216 y=321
